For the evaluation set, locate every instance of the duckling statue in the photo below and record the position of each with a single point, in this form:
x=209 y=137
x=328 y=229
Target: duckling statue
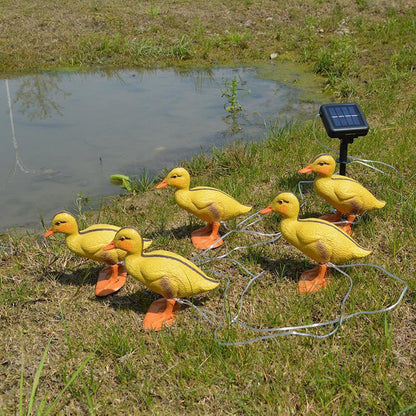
x=209 y=204
x=318 y=239
x=346 y=195
x=89 y=243
x=163 y=272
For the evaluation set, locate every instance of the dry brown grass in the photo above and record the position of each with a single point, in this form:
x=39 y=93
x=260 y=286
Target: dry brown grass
x=45 y=34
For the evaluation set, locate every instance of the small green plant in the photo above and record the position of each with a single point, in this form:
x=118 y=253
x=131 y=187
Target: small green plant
x=155 y=11
x=336 y=59
x=197 y=164
x=110 y=46
x=143 y=183
x=362 y=4
x=335 y=62
x=143 y=48
x=116 y=342
x=233 y=106
x=79 y=204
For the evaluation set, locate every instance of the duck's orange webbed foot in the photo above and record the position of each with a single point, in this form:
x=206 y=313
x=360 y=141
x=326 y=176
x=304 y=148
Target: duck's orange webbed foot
x=204 y=231
x=110 y=280
x=206 y=236
x=313 y=280
x=160 y=313
x=335 y=217
x=347 y=227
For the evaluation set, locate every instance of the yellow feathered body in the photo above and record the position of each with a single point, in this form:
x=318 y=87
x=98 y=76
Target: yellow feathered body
x=209 y=204
x=346 y=195
x=169 y=274
x=321 y=241
x=163 y=272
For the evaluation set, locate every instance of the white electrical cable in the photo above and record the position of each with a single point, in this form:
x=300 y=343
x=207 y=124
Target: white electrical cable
x=300 y=330
x=240 y=229
x=316 y=138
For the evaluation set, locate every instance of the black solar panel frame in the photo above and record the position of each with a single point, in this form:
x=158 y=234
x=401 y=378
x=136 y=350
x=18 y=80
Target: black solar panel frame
x=343 y=120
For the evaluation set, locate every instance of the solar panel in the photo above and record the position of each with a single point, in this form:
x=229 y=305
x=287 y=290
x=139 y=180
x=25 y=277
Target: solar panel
x=344 y=120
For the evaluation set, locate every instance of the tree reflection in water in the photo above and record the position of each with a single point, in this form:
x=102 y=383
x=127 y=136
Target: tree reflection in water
x=36 y=96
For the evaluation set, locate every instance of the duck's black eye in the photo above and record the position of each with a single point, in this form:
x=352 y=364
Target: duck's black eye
x=122 y=238
x=60 y=222
x=280 y=202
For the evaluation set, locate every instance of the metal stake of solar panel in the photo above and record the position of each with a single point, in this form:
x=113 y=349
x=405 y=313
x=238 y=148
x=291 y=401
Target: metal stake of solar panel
x=344 y=121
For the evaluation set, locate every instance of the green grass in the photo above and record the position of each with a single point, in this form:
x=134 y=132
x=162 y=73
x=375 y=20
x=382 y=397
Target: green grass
x=37 y=406
x=64 y=348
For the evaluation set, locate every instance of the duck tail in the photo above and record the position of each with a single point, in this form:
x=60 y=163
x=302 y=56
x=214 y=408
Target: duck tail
x=362 y=252
x=206 y=285
x=380 y=204
x=214 y=285
x=245 y=208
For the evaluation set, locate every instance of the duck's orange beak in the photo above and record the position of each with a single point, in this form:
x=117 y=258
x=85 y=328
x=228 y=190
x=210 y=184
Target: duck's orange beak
x=308 y=169
x=267 y=210
x=110 y=246
x=48 y=233
x=162 y=184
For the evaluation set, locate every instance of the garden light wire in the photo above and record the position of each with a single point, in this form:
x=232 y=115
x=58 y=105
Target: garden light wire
x=280 y=331
x=238 y=228
x=299 y=330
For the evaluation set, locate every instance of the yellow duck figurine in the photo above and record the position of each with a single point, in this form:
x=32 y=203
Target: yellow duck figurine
x=346 y=195
x=163 y=272
x=209 y=204
x=90 y=243
x=320 y=240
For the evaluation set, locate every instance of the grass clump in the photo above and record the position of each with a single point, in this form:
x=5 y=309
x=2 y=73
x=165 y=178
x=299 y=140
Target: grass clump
x=43 y=409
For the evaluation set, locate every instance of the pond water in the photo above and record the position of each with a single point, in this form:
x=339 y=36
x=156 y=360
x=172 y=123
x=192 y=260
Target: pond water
x=70 y=131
